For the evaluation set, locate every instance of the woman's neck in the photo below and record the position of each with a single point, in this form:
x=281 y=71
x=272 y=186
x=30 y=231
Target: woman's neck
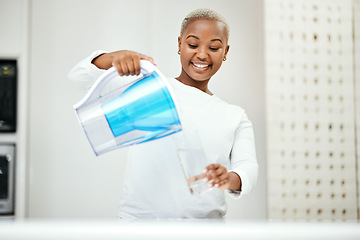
x=201 y=85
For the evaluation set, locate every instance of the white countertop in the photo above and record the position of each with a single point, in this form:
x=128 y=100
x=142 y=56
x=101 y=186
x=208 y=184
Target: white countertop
x=176 y=229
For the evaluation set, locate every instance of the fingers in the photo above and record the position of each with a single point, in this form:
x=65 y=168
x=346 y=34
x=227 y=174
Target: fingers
x=127 y=63
x=124 y=70
x=144 y=57
x=218 y=176
x=196 y=178
x=118 y=68
x=137 y=68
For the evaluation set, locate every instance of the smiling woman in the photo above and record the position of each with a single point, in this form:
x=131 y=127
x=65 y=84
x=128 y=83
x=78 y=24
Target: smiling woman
x=154 y=185
x=202 y=48
x=203 y=45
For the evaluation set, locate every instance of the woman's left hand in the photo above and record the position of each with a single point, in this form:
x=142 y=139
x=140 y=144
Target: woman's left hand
x=222 y=179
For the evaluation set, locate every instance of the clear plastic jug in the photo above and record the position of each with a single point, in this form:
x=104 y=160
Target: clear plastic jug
x=141 y=109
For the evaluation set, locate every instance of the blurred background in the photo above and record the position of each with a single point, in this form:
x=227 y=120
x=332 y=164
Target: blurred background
x=292 y=65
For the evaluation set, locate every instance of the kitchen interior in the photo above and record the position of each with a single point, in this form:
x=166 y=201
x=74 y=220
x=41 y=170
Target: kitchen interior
x=294 y=66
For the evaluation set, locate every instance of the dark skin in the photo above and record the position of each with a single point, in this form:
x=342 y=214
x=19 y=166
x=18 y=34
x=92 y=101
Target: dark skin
x=203 y=47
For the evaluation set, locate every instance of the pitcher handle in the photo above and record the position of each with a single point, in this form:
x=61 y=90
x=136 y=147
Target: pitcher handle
x=147 y=68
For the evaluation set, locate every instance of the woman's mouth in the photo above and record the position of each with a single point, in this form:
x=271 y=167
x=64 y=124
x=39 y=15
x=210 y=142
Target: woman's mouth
x=201 y=66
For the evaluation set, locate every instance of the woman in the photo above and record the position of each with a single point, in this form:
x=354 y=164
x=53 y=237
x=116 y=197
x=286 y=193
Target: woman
x=154 y=185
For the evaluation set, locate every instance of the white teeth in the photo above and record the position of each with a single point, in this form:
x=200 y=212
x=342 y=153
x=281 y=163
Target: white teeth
x=199 y=65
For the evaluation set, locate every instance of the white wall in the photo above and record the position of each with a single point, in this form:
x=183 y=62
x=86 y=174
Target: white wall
x=65 y=179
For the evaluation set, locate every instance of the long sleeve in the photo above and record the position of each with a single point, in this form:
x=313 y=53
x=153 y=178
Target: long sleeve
x=84 y=74
x=243 y=157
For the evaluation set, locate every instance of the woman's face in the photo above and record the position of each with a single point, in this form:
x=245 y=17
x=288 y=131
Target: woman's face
x=203 y=47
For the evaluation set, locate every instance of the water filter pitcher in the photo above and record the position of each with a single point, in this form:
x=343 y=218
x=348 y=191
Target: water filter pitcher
x=140 y=109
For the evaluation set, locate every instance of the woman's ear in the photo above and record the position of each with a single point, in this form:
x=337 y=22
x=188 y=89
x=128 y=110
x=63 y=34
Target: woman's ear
x=226 y=50
x=179 y=44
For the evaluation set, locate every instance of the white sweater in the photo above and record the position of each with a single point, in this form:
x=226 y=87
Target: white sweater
x=154 y=184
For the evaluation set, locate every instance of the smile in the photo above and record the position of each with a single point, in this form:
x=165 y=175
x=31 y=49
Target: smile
x=201 y=65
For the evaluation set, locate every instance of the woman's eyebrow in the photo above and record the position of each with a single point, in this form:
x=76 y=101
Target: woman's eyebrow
x=192 y=36
x=217 y=39
x=212 y=40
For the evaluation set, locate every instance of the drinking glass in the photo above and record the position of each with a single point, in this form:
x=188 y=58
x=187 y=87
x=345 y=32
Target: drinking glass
x=193 y=160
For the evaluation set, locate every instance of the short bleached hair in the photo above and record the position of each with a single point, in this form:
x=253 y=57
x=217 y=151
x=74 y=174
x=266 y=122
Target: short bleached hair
x=205 y=13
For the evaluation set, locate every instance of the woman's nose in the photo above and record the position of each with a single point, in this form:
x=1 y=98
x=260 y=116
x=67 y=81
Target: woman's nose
x=201 y=53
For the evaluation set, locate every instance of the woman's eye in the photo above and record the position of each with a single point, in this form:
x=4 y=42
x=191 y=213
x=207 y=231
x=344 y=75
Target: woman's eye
x=214 y=48
x=192 y=46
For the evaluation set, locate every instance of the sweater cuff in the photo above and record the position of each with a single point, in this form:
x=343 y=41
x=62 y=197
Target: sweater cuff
x=245 y=187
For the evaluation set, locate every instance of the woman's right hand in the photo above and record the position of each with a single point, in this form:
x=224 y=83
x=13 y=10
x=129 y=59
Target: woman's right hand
x=125 y=62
